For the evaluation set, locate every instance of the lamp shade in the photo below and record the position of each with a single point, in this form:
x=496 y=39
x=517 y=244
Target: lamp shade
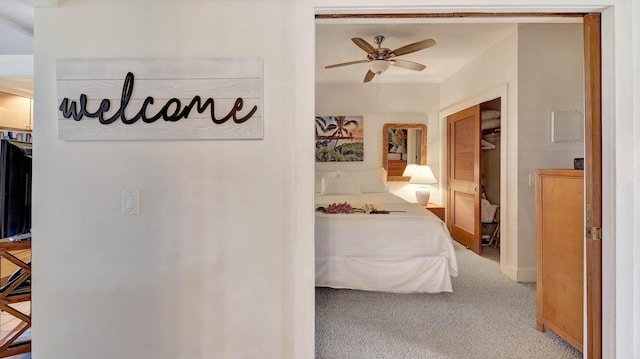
x=379 y=66
x=408 y=171
x=422 y=175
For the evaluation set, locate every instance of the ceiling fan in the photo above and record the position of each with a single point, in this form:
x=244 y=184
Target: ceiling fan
x=381 y=58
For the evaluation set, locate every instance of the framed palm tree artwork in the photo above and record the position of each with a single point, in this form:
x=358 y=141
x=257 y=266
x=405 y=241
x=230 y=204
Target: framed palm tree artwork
x=339 y=138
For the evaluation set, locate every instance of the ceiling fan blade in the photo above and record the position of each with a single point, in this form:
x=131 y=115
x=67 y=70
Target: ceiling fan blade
x=406 y=64
x=345 y=64
x=416 y=46
x=369 y=76
x=367 y=47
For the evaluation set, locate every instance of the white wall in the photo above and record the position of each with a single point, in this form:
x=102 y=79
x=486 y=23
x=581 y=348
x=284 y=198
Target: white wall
x=621 y=147
x=496 y=66
x=382 y=103
x=633 y=333
x=550 y=78
x=203 y=271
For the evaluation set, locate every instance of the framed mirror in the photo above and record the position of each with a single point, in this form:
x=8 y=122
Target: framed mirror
x=403 y=144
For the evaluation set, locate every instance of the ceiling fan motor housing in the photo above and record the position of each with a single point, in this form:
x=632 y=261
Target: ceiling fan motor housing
x=381 y=52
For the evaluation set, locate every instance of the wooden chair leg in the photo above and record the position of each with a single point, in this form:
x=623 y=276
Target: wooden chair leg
x=496 y=236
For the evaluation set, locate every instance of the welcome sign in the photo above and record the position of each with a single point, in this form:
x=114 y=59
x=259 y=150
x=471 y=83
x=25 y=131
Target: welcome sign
x=160 y=99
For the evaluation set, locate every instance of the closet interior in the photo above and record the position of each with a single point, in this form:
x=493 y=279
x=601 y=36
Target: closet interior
x=490 y=125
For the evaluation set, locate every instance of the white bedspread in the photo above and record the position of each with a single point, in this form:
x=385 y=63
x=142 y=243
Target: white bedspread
x=406 y=251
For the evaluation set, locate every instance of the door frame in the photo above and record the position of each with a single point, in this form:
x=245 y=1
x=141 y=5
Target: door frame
x=305 y=79
x=593 y=183
x=506 y=217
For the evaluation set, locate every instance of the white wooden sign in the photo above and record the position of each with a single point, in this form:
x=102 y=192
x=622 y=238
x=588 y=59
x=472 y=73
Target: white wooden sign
x=160 y=99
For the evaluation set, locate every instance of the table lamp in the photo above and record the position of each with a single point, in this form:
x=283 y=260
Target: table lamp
x=421 y=175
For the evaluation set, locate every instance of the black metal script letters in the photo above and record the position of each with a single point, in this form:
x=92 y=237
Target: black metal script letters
x=171 y=111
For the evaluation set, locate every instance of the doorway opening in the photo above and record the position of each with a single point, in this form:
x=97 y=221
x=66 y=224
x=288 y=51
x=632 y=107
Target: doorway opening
x=501 y=159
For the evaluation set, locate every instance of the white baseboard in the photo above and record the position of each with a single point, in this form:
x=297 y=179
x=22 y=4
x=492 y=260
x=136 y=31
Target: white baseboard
x=509 y=271
x=527 y=275
x=523 y=275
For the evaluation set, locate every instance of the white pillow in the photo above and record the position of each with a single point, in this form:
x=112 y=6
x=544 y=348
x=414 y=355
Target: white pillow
x=340 y=185
x=489 y=124
x=374 y=181
x=370 y=180
x=489 y=114
x=323 y=174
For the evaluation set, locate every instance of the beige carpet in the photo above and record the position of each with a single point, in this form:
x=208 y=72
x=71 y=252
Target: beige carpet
x=487 y=316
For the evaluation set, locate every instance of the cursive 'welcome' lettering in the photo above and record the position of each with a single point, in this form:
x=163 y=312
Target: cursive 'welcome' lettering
x=171 y=111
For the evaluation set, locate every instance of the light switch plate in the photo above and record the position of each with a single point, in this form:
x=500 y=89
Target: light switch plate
x=131 y=201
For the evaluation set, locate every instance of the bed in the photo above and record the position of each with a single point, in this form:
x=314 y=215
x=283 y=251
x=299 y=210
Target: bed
x=407 y=250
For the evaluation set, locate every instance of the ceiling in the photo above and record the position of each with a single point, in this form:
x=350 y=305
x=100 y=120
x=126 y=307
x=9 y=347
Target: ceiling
x=16 y=38
x=459 y=40
x=456 y=46
x=16 y=27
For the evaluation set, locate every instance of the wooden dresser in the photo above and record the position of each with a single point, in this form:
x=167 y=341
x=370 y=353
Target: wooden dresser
x=560 y=244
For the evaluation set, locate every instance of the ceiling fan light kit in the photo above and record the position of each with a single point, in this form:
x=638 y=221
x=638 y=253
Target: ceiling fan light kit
x=381 y=58
x=379 y=66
